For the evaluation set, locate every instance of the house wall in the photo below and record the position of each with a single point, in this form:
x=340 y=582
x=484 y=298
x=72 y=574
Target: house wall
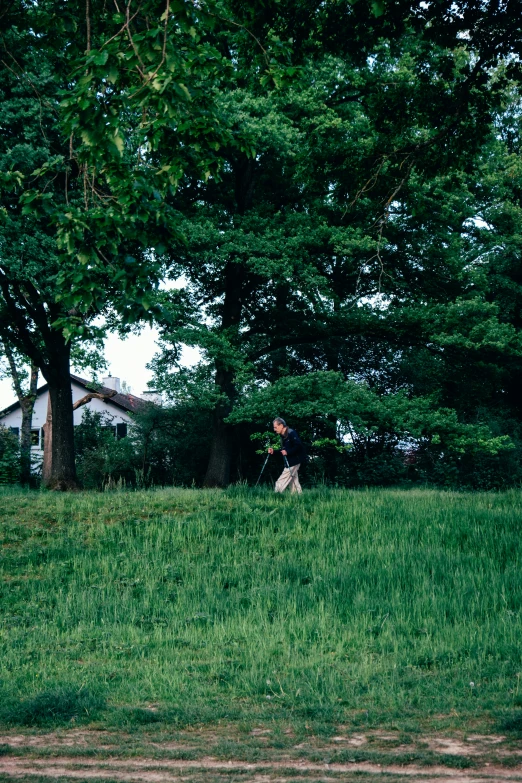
x=14 y=419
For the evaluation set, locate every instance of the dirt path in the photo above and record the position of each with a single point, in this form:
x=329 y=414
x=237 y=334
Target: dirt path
x=227 y=756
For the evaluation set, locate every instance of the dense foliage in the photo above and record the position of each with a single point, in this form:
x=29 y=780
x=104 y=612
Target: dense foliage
x=83 y=218
x=338 y=184
x=372 y=233
x=9 y=457
x=163 y=447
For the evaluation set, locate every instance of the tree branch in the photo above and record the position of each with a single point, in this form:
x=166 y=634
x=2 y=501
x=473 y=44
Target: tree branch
x=92 y=396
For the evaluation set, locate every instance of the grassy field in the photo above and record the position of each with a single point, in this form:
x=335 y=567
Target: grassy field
x=178 y=607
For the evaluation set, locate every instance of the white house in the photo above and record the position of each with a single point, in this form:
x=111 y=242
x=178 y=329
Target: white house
x=118 y=409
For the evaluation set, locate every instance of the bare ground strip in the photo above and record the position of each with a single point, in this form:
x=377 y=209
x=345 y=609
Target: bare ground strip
x=108 y=756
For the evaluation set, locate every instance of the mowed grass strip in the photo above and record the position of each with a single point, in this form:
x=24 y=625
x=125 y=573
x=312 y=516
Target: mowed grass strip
x=375 y=607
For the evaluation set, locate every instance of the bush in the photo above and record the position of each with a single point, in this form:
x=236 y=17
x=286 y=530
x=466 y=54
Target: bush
x=102 y=460
x=172 y=444
x=9 y=457
x=164 y=446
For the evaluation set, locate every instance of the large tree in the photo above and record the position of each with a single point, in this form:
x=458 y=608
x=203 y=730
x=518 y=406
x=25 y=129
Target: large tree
x=87 y=96
x=307 y=254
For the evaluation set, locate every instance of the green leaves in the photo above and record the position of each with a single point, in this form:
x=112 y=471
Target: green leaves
x=11 y=180
x=118 y=141
x=363 y=413
x=104 y=199
x=316 y=179
x=378 y=7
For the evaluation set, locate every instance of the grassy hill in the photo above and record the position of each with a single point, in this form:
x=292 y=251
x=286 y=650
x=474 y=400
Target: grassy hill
x=374 y=607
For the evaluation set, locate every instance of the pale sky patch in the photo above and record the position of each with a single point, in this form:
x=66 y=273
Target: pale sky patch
x=127 y=360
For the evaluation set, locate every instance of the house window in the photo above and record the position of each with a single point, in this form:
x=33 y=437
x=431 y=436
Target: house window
x=35 y=437
x=15 y=431
x=119 y=431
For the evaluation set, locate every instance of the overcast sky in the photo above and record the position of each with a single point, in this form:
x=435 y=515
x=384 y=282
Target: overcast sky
x=126 y=359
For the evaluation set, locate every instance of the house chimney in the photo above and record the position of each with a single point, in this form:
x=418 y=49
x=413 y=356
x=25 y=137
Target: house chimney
x=111 y=382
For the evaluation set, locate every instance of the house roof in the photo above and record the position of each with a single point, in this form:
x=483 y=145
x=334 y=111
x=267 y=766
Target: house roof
x=126 y=402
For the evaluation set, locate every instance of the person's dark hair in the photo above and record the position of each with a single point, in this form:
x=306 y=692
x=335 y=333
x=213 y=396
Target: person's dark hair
x=279 y=420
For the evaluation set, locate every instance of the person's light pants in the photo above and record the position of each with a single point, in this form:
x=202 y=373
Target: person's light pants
x=289 y=476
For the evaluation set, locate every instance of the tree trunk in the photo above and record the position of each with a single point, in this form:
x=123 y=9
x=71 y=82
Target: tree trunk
x=27 y=406
x=47 y=471
x=34 y=337
x=222 y=444
x=48 y=445
x=221 y=449
x=218 y=470
x=57 y=374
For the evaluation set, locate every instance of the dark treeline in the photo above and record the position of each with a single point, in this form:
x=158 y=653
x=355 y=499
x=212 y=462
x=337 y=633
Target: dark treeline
x=338 y=185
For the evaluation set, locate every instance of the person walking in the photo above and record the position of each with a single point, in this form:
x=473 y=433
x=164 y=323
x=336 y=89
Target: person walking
x=293 y=454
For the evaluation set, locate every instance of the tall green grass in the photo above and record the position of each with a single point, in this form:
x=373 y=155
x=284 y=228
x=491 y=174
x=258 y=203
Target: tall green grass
x=210 y=604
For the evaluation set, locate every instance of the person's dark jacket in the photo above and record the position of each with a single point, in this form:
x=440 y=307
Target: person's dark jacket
x=295 y=451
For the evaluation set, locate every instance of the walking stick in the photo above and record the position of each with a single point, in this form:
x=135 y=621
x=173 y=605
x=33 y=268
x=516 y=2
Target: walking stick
x=262 y=469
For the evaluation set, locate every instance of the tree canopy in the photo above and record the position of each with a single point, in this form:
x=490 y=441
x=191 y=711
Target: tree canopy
x=338 y=183
x=351 y=239
x=84 y=218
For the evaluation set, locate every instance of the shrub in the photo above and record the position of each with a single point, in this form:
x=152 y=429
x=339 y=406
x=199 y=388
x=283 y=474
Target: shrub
x=101 y=459
x=164 y=446
x=9 y=457
x=172 y=444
